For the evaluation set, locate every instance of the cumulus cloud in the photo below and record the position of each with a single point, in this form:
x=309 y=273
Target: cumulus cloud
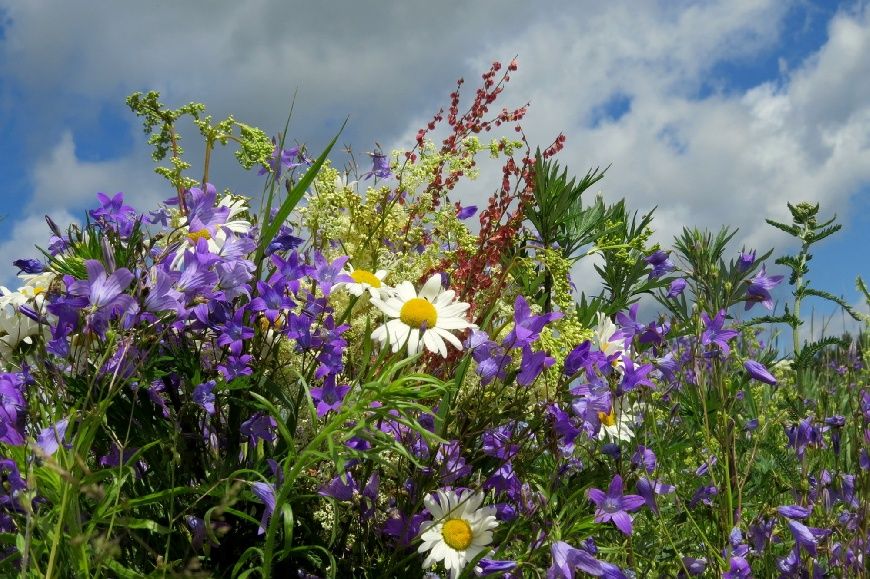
x=632 y=85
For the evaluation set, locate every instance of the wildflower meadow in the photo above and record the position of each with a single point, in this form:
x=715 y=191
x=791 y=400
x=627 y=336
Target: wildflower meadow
x=358 y=373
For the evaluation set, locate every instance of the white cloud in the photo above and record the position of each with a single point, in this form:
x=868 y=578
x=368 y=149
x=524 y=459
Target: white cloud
x=27 y=234
x=705 y=158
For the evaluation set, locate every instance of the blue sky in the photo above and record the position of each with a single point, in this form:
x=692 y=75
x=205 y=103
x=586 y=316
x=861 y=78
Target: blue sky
x=717 y=112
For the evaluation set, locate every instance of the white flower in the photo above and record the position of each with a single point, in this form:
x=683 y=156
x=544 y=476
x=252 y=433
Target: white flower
x=619 y=423
x=459 y=531
x=607 y=344
x=366 y=281
x=422 y=320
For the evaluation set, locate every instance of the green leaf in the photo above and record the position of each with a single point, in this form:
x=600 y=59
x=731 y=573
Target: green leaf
x=832 y=298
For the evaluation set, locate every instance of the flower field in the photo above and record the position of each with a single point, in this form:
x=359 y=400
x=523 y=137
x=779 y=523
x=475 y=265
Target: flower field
x=358 y=374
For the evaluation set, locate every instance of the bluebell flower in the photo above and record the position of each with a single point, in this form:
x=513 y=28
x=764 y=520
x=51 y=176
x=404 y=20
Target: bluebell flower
x=614 y=506
x=29 y=266
x=661 y=263
x=203 y=396
x=759 y=289
x=757 y=371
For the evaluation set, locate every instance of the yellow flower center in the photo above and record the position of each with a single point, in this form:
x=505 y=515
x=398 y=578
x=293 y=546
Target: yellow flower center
x=195 y=236
x=363 y=276
x=417 y=312
x=457 y=534
x=607 y=419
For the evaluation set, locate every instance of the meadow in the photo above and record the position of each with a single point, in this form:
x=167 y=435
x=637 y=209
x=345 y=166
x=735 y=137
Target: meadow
x=358 y=375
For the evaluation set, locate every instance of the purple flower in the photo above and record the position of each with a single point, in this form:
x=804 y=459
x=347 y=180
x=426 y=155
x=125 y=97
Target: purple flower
x=695 y=566
x=104 y=292
x=271 y=302
x=466 y=212
x=703 y=494
x=203 y=395
x=676 y=288
x=613 y=506
x=113 y=212
x=12 y=409
x=328 y=274
x=492 y=359
x=568 y=559
x=266 y=493
x=282 y=159
x=260 y=426
x=329 y=396
x=714 y=334
x=804 y=537
x=499 y=442
x=759 y=372
x=745 y=260
x=645 y=457
x=341 y=488
x=50 y=438
x=29 y=266
x=648 y=489
x=234 y=333
x=505 y=480
x=794 y=511
x=203 y=214
x=661 y=264
x=738 y=569
x=486 y=567
x=633 y=377
x=527 y=327
x=283 y=241
x=380 y=167
x=759 y=289
x=533 y=363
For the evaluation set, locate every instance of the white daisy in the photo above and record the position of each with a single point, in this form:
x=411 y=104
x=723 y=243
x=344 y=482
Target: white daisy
x=422 y=320
x=607 y=344
x=366 y=281
x=459 y=531
x=619 y=423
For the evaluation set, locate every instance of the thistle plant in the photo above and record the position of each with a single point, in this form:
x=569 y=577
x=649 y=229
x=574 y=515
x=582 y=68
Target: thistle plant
x=806 y=229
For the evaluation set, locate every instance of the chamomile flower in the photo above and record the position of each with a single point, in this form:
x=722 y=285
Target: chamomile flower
x=618 y=423
x=364 y=280
x=459 y=531
x=609 y=341
x=422 y=320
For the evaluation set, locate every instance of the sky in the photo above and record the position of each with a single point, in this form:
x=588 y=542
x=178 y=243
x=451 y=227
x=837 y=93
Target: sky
x=715 y=112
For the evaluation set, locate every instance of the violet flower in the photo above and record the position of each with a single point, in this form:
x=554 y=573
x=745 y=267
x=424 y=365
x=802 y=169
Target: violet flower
x=714 y=334
x=329 y=396
x=676 y=288
x=759 y=372
x=380 y=167
x=661 y=263
x=568 y=559
x=266 y=493
x=260 y=426
x=29 y=266
x=204 y=397
x=759 y=289
x=613 y=506
x=533 y=363
x=527 y=327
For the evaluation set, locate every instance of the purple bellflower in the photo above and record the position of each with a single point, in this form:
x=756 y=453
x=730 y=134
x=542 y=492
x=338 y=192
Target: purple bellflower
x=714 y=334
x=613 y=506
x=380 y=167
x=527 y=327
x=759 y=289
x=759 y=372
x=661 y=263
x=266 y=493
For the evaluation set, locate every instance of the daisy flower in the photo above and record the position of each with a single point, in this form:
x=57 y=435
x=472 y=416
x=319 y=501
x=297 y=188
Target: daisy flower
x=618 y=423
x=459 y=532
x=364 y=280
x=610 y=341
x=422 y=320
